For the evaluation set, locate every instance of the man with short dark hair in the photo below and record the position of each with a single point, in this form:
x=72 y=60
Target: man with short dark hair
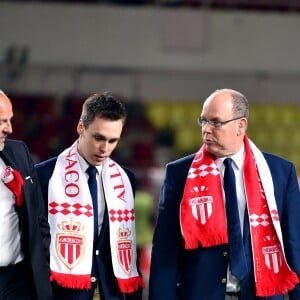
x=90 y=199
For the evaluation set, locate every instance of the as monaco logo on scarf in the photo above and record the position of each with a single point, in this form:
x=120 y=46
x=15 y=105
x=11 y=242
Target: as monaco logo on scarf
x=201 y=205
x=272 y=254
x=70 y=245
x=124 y=246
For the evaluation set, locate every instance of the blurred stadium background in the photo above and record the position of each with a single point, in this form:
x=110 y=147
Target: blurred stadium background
x=163 y=58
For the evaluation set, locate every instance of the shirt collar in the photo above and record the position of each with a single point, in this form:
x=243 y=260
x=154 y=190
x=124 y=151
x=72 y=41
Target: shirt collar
x=84 y=165
x=238 y=159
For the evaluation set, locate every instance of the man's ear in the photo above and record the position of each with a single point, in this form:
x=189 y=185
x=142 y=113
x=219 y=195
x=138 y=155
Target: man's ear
x=80 y=127
x=242 y=126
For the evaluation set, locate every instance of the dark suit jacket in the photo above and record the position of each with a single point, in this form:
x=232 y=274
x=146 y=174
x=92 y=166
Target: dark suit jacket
x=200 y=274
x=35 y=234
x=108 y=285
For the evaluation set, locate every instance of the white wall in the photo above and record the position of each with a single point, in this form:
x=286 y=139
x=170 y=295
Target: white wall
x=151 y=52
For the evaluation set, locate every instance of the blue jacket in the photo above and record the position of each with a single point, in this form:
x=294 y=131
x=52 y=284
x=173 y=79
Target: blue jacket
x=200 y=274
x=108 y=284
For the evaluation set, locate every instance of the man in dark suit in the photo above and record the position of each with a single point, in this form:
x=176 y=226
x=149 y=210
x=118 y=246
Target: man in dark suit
x=193 y=253
x=91 y=210
x=24 y=230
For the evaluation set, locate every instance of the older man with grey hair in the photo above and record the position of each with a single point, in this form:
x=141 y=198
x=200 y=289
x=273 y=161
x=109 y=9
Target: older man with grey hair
x=24 y=229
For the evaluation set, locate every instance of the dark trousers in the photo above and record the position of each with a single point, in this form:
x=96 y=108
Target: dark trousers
x=15 y=283
x=60 y=293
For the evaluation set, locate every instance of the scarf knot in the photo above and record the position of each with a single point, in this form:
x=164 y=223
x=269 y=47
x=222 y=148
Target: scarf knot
x=14 y=181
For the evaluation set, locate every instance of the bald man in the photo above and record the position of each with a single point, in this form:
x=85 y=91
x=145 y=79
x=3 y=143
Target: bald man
x=207 y=246
x=24 y=230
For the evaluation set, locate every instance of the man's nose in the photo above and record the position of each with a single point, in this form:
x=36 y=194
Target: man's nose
x=8 y=128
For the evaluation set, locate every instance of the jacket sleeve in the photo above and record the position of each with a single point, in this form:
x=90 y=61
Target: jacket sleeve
x=166 y=241
x=35 y=192
x=290 y=226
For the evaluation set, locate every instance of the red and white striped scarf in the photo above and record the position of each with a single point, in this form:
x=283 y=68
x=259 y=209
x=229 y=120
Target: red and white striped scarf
x=71 y=224
x=203 y=217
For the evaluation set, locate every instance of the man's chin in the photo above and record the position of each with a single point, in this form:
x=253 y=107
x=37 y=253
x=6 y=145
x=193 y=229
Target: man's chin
x=211 y=148
x=215 y=151
x=99 y=161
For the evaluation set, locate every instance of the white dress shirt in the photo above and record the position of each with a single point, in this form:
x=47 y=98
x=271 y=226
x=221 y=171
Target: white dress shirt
x=100 y=193
x=10 y=238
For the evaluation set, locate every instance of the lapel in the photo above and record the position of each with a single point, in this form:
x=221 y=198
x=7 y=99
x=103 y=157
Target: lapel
x=102 y=238
x=4 y=154
x=8 y=160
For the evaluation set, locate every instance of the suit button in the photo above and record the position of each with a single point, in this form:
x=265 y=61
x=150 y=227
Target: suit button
x=97 y=252
x=93 y=279
x=223 y=280
x=225 y=253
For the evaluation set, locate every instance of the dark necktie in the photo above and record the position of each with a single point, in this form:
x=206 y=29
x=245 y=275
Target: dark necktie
x=237 y=259
x=92 y=182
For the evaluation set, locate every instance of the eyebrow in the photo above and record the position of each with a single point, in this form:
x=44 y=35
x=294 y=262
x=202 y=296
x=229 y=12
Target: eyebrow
x=100 y=136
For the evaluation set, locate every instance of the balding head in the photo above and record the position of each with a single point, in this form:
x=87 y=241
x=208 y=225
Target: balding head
x=240 y=105
x=224 y=122
x=6 y=114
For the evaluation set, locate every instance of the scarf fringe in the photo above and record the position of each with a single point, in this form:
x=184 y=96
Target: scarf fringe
x=71 y=281
x=130 y=285
x=205 y=240
x=266 y=287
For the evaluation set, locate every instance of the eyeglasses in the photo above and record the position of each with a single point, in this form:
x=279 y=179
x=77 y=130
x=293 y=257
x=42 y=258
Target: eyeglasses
x=215 y=124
